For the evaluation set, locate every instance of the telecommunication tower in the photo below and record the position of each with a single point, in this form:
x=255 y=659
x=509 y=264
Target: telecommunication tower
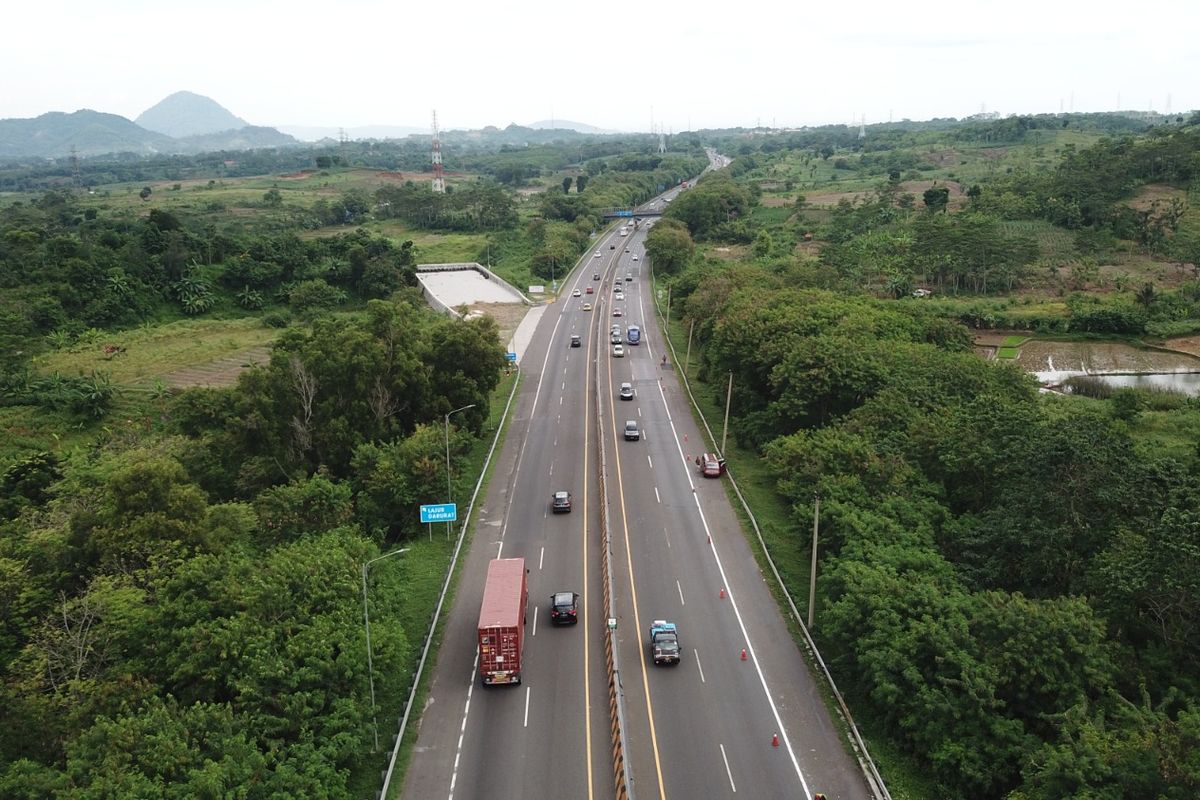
x=76 y=181
x=662 y=141
x=439 y=180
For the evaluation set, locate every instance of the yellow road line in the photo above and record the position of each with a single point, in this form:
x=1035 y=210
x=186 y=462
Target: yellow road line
x=587 y=637
x=662 y=791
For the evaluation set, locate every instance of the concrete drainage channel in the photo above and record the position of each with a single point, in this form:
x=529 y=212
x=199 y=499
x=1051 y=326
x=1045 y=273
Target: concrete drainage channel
x=622 y=784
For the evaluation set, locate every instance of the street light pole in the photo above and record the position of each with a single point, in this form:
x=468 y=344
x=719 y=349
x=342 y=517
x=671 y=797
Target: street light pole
x=449 y=491
x=367 y=625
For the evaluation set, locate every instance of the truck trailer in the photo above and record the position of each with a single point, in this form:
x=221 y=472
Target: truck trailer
x=502 y=622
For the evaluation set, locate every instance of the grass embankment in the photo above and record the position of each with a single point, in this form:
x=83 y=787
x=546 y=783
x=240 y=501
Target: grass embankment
x=787 y=538
x=417 y=577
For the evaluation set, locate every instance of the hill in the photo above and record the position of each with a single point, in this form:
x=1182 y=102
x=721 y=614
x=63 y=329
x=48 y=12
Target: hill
x=566 y=124
x=188 y=114
x=89 y=132
x=315 y=133
x=251 y=137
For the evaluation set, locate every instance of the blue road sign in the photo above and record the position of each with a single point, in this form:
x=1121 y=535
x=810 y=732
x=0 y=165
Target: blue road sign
x=624 y=213
x=511 y=356
x=440 y=512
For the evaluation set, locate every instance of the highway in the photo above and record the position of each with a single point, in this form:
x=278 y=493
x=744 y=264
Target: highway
x=702 y=728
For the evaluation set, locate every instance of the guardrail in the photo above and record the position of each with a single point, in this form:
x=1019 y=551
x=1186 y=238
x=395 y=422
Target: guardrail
x=437 y=612
x=857 y=744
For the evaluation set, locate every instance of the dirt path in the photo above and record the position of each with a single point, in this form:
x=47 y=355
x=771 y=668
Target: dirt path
x=219 y=373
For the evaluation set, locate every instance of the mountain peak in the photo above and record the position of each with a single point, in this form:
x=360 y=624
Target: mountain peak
x=188 y=114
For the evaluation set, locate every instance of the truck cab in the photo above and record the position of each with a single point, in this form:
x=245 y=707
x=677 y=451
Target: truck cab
x=664 y=642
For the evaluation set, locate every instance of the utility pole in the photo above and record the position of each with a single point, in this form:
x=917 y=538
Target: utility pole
x=725 y=428
x=449 y=491
x=367 y=625
x=687 y=359
x=812 y=572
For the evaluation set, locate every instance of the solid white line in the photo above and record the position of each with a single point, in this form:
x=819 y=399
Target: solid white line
x=680 y=588
x=526 y=706
x=762 y=679
x=697 y=657
x=656 y=497
x=730 y=772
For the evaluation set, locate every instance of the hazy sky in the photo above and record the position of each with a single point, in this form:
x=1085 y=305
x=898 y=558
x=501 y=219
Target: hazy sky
x=615 y=65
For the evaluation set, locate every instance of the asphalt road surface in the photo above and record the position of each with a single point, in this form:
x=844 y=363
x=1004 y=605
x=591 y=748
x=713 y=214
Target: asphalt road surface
x=701 y=729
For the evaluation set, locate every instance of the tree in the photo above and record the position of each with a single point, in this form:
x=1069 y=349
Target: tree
x=392 y=479
x=669 y=246
x=937 y=198
x=145 y=193
x=566 y=185
x=581 y=182
x=272 y=198
x=315 y=297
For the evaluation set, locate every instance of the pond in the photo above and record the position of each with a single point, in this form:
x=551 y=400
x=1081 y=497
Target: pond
x=1115 y=363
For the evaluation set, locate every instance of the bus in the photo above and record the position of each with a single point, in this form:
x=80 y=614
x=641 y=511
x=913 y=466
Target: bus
x=634 y=334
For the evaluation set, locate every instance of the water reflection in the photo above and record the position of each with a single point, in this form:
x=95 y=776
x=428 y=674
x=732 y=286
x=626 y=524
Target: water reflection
x=1114 y=363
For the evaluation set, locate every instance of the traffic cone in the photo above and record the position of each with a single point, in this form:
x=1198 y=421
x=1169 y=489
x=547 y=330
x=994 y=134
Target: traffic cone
x=774 y=740
x=743 y=654
x=722 y=589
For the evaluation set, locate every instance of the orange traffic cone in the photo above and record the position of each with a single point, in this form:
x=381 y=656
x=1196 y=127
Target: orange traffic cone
x=722 y=588
x=775 y=740
x=743 y=654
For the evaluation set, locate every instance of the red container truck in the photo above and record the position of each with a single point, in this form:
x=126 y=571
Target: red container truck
x=502 y=622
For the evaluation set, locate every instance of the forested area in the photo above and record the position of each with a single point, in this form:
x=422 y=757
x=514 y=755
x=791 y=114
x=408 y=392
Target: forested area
x=181 y=612
x=1009 y=581
x=1011 y=584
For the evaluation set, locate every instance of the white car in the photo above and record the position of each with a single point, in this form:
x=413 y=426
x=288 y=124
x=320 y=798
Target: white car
x=596 y=254
x=618 y=351
x=586 y=307
x=618 y=296
x=635 y=258
x=576 y=293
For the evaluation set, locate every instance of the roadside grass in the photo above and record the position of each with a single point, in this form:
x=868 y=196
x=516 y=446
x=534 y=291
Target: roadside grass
x=152 y=351
x=786 y=534
x=415 y=581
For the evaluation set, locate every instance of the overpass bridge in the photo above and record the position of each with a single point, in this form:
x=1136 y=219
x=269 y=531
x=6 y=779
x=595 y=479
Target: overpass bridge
x=630 y=213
